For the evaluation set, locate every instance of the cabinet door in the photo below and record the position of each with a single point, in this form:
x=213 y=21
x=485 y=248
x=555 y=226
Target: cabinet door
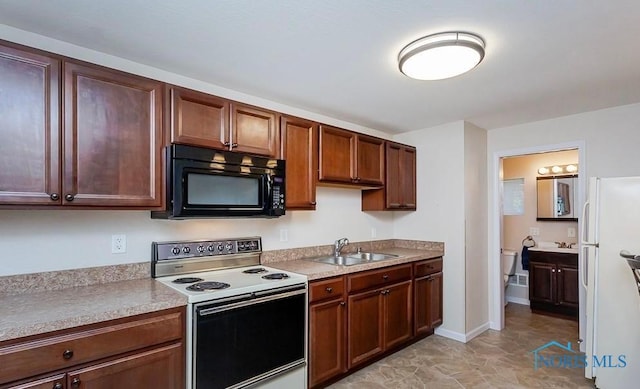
x=370 y=161
x=393 y=186
x=365 y=326
x=29 y=128
x=542 y=282
x=435 y=300
x=161 y=368
x=568 y=289
x=113 y=138
x=55 y=382
x=397 y=314
x=299 y=139
x=407 y=178
x=198 y=119
x=254 y=130
x=327 y=340
x=422 y=305
x=337 y=155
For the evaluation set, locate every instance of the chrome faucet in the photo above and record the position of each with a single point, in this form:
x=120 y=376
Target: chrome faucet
x=339 y=245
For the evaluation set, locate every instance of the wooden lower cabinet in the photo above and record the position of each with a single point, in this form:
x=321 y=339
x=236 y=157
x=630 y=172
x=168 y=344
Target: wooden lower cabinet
x=145 y=351
x=427 y=296
x=365 y=323
x=553 y=283
x=327 y=337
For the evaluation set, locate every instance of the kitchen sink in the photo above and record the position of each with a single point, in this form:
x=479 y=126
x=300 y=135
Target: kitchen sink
x=353 y=259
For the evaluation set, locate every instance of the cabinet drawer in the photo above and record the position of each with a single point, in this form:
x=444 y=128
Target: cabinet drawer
x=375 y=278
x=430 y=266
x=58 y=352
x=326 y=289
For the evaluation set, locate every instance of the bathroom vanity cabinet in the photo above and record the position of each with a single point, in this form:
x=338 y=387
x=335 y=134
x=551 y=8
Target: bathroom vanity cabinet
x=553 y=283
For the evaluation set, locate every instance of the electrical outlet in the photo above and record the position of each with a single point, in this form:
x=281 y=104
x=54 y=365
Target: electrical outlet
x=284 y=235
x=571 y=232
x=118 y=244
x=534 y=231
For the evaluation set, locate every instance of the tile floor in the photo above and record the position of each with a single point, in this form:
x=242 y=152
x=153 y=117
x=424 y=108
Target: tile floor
x=494 y=359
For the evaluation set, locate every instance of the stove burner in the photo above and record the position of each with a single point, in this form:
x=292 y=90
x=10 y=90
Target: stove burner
x=275 y=276
x=207 y=285
x=255 y=270
x=187 y=280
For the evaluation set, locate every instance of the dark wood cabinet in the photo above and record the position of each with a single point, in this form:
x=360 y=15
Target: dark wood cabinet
x=327 y=330
x=254 y=130
x=379 y=314
x=141 y=351
x=399 y=192
x=30 y=128
x=427 y=296
x=553 y=283
x=299 y=141
x=346 y=157
x=198 y=119
x=112 y=138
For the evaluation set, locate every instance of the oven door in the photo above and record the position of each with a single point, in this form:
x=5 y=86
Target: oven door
x=239 y=341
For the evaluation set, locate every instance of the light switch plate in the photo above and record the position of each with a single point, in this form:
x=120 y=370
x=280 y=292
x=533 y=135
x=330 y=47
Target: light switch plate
x=534 y=231
x=571 y=232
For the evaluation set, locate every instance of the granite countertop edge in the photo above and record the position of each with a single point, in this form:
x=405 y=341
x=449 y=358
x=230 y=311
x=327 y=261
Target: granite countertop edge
x=318 y=270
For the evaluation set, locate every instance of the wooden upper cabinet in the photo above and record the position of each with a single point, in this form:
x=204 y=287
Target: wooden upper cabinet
x=198 y=119
x=299 y=140
x=370 y=166
x=254 y=130
x=350 y=158
x=399 y=192
x=29 y=128
x=113 y=138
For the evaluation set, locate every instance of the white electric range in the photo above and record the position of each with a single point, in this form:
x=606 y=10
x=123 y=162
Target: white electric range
x=246 y=323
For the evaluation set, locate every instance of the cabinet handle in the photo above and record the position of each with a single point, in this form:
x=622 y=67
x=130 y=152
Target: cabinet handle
x=57 y=385
x=54 y=196
x=342 y=304
x=313 y=203
x=67 y=354
x=69 y=197
x=75 y=382
x=226 y=143
x=385 y=277
x=234 y=145
x=329 y=290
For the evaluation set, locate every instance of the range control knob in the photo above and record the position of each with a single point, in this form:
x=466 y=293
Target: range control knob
x=175 y=250
x=229 y=246
x=186 y=249
x=200 y=249
x=210 y=248
x=220 y=247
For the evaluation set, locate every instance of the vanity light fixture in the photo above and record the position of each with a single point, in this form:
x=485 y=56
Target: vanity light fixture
x=558 y=169
x=442 y=55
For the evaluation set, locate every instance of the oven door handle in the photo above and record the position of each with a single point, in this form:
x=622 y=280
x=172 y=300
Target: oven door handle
x=254 y=299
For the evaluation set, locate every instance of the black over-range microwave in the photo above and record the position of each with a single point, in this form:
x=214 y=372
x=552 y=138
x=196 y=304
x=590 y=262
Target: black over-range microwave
x=207 y=183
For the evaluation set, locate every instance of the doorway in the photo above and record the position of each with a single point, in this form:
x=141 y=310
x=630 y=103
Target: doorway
x=523 y=226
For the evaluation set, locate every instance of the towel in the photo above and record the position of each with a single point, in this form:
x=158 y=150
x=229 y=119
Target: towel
x=525 y=258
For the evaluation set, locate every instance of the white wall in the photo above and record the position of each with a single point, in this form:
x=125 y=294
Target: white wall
x=611 y=137
x=45 y=240
x=475 y=202
x=440 y=210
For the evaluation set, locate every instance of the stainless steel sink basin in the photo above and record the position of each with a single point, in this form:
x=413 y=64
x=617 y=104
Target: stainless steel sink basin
x=353 y=259
x=372 y=256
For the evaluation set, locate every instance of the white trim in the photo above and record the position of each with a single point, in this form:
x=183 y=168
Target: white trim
x=450 y=334
x=496 y=282
x=518 y=300
x=463 y=338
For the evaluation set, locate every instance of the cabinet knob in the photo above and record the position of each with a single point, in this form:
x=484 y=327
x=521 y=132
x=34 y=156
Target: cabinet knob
x=234 y=145
x=75 y=382
x=342 y=304
x=553 y=270
x=67 y=354
x=57 y=385
x=226 y=143
x=385 y=277
x=54 y=196
x=69 y=197
x=329 y=290
x=313 y=203
x=559 y=270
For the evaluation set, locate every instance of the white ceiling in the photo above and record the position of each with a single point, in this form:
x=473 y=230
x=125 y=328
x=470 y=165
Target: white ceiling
x=543 y=58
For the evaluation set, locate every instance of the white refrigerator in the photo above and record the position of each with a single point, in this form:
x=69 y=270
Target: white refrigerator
x=611 y=225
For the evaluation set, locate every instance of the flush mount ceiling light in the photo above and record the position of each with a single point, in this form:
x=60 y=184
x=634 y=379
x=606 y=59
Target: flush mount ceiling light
x=440 y=56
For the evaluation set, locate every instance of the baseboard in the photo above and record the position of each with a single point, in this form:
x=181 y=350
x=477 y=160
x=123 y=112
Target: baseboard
x=476 y=331
x=463 y=338
x=517 y=300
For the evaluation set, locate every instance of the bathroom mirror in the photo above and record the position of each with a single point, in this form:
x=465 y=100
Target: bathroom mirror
x=557 y=198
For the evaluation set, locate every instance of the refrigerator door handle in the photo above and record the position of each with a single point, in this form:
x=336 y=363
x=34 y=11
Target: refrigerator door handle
x=627 y=255
x=582 y=269
x=583 y=237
